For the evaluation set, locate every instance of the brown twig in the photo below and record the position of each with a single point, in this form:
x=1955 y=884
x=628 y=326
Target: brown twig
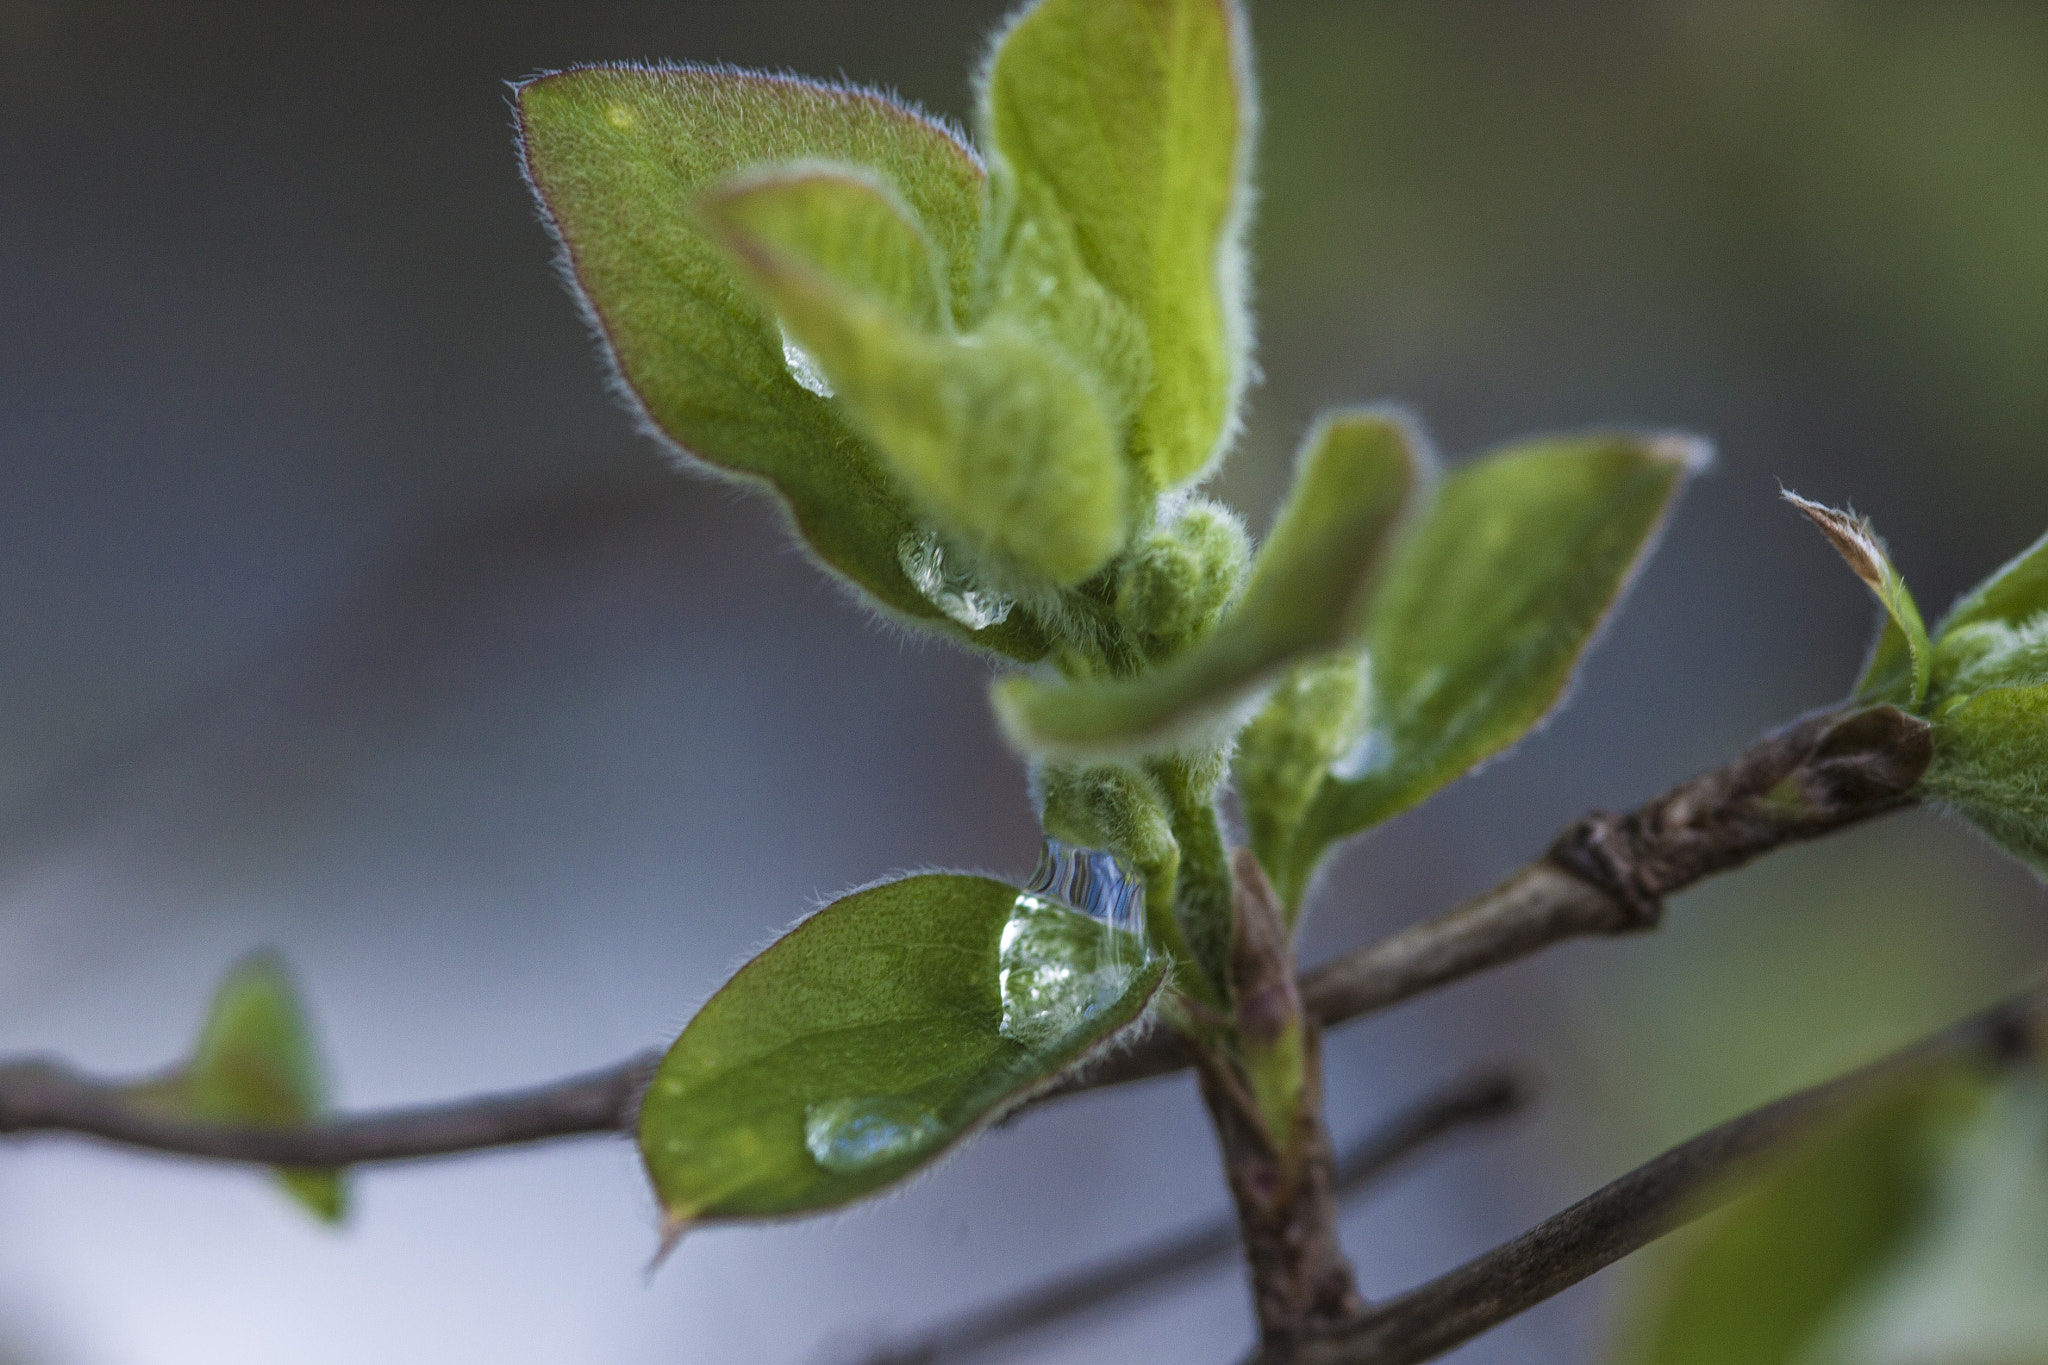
x=42 y=1097
x=1683 y=1184
x=1483 y=1097
x=1610 y=874
x=1605 y=875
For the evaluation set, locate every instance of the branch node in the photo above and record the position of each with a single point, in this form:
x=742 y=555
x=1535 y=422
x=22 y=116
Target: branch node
x=1596 y=849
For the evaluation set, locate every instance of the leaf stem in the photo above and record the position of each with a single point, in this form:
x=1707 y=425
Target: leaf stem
x=44 y=1097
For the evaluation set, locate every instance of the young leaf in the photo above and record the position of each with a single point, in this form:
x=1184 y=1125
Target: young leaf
x=1757 y=1283
x=1901 y=666
x=1357 y=473
x=1997 y=636
x=997 y=434
x=1485 y=611
x=255 y=1064
x=1131 y=120
x=875 y=1035
x=1283 y=757
x=617 y=156
x=1991 y=765
x=2016 y=594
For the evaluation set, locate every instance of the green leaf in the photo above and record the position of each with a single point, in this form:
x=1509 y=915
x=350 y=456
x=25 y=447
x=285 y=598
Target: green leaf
x=1901 y=665
x=1997 y=636
x=617 y=156
x=996 y=434
x=2015 y=595
x=875 y=1035
x=255 y=1064
x=1991 y=766
x=1130 y=120
x=1970 y=1287
x=1358 y=472
x=1485 y=612
x=1757 y=1283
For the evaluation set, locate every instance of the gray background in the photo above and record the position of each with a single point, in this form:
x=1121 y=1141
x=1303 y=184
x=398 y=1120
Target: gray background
x=340 y=611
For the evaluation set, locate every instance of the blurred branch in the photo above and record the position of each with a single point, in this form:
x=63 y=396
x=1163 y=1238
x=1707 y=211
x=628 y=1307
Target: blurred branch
x=1683 y=1184
x=42 y=1097
x=1609 y=874
x=1483 y=1097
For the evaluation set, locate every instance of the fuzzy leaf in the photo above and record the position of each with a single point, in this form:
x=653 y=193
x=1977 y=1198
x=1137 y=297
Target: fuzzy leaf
x=1283 y=757
x=1997 y=636
x=2015 y=595
x=996 y=433
x=255 y=1064
x=1485 y=612
x=1357 y=473
x=617 y=156
x=1757 y=1283
x=1991 y=765
x=1130 y=121
x=1900 y=667
x=875 y=1035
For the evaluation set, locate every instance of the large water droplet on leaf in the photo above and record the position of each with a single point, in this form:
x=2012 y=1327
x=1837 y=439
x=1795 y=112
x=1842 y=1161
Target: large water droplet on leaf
x=1091 y=881
x=849 y=1135
x=946 y=587
x=1058 y=968
x=804 y=368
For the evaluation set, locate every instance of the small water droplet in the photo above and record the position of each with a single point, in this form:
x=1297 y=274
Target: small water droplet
x=1057 y=968
x=803 y=367
x=1098 y=884
x=924 y=563
x=620 y=117
x=851 y=1135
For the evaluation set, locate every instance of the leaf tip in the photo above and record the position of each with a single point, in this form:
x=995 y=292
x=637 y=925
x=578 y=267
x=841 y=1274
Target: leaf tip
x=1851 y=536
x=674 y=1227
x=1694 y=455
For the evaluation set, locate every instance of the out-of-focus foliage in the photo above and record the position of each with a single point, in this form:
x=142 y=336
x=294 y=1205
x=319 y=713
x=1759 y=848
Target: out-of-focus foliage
x=1908 y=1235
x=255 y=1063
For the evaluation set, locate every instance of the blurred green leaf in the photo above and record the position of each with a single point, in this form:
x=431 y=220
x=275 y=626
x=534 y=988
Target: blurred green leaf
x=255 y=1064
x=1970 y=1287
x=1484 y=613
x=875 y=1035
x=618 y=155
x=1756 y=1283
x=1358 y=472
x=1129 y=120
x=1901 y=666
x=996 y=434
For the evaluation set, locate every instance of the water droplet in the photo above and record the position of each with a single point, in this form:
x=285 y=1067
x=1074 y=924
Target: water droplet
x=851 y=1135
x=945 y=587
x=620 y=117
x=1057 y=968
x=803 y=367
x=1096 y=883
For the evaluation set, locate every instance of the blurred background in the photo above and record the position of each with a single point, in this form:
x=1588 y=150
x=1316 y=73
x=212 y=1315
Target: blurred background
x=341 y=611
